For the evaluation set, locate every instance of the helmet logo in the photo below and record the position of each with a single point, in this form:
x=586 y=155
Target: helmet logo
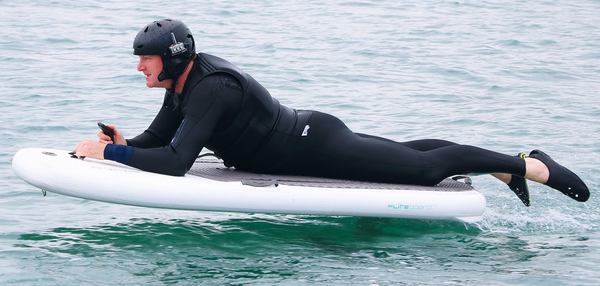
x=176 y=48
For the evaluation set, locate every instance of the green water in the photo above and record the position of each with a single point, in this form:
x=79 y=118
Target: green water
x=511 y=77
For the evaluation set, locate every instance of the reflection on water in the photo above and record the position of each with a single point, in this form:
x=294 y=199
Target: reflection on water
x=269 y=248
x=287 y=249
x=325 y=233
x=509 y=76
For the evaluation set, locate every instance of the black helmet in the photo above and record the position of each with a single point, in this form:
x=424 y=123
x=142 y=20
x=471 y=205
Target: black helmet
x=172 y=40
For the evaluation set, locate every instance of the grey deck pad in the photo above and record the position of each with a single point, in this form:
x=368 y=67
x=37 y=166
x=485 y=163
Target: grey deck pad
x=215 y=170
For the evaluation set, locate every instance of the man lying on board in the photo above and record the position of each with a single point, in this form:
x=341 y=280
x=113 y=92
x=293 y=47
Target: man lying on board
x=211 y=103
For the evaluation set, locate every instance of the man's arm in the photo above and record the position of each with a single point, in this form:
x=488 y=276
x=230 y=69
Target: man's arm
x=210 y=100
x=161 y=130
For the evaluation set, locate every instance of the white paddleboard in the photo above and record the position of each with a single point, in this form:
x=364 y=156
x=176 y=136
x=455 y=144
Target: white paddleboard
x=210 y=186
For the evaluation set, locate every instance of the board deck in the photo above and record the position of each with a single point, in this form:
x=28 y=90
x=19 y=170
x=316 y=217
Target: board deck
x=215 y=170
x=210 y=186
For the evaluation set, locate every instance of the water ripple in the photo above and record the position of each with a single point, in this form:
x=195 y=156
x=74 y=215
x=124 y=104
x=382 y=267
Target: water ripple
x=508 y=76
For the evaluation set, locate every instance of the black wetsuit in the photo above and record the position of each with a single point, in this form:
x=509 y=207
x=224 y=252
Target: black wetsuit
x=227 y=111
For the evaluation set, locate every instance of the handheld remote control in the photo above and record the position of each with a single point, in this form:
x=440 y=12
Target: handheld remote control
x=108 y=131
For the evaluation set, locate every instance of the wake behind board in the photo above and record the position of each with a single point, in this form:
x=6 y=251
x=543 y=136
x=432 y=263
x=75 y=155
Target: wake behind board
x=210 y=186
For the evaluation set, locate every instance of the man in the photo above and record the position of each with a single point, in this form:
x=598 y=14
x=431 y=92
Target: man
x=211 y=103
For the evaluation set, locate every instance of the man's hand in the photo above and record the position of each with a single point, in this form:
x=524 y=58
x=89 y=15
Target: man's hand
x=105 y=139
x=90 y=149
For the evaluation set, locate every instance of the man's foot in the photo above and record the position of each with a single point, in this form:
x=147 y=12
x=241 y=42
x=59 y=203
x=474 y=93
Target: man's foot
x=562 y=179
x=518 y=185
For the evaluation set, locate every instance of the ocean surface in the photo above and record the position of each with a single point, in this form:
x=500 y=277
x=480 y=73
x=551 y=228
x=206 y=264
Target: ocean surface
x=505 y=75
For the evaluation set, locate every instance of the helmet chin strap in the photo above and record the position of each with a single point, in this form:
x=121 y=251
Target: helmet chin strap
x=162 y=76
x=174 y=95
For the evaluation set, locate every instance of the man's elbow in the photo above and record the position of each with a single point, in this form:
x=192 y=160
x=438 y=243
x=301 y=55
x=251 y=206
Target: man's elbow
x=178 y=169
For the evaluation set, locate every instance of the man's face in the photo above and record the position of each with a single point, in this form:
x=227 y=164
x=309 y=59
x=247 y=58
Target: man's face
x=151 y=66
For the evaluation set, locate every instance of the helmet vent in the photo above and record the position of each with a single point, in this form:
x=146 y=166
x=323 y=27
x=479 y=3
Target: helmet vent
x=158 y=24
x=140 y=46
x=146 y=30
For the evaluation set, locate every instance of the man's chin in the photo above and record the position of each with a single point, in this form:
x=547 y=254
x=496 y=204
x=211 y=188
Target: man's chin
x=154 y=83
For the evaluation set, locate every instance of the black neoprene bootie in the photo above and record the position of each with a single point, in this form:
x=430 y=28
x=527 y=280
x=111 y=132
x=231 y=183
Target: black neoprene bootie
x=562 y=179
x=519 y=186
